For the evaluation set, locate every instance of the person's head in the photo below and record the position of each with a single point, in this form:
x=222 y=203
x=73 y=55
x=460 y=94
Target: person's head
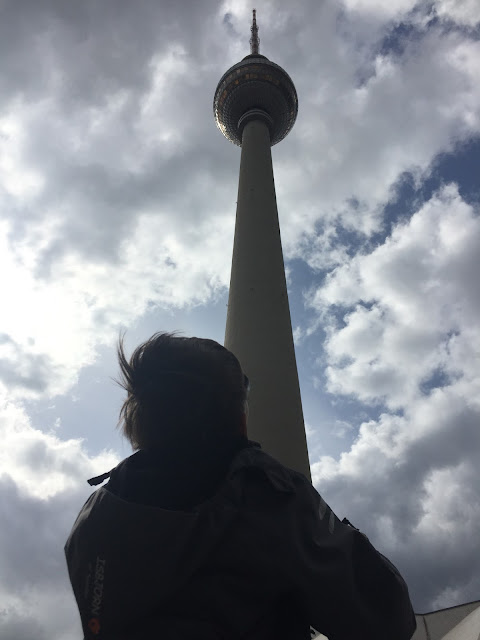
x=182 y=393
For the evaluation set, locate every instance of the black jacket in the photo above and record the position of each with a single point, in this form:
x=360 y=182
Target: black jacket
x=262 y=556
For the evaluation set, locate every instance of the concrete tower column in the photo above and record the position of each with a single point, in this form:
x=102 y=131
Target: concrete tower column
x=258 y=329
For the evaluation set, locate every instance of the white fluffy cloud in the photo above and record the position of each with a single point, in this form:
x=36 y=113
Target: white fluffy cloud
x=464 y=12
x=382 y=104
x=411 y=306
x=408 y=339
x=78 y=266
x=409 y=482
x=85 y=303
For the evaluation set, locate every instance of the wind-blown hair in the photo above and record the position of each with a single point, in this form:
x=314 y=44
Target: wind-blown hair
x=181 y=392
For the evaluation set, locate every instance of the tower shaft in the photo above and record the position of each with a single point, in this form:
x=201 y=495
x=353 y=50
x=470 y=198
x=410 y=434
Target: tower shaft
x=259 y=330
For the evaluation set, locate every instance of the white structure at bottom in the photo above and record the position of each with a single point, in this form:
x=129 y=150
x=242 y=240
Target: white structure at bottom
x=455 y=623
x=461 y=622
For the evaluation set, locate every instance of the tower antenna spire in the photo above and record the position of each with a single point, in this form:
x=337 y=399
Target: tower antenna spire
x=254 y=40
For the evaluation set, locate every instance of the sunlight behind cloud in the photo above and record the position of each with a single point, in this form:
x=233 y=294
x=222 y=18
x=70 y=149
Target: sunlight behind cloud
x=18 y=179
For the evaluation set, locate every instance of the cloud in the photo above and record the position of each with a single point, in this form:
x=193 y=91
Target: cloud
x=370 y=116
x=111 y=200
x=410 y=306
x=377 y=8
x=409 y=484
x=18 y=370
x=15 y=624
x=42 y=487
x=111 y=153
x=39 y=463
x=464 y=12
x=410 y=310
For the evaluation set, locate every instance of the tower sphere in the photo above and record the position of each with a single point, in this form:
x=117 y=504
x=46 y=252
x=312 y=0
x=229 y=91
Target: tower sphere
x=256 y=85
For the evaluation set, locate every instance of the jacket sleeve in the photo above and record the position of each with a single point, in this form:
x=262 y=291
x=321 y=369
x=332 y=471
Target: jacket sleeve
x=352 y=591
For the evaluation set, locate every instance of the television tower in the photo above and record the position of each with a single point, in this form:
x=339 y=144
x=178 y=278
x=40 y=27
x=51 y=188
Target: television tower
x=255 y=106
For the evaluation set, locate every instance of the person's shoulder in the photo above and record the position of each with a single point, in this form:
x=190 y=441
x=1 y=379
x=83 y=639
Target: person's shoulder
x=253 y=459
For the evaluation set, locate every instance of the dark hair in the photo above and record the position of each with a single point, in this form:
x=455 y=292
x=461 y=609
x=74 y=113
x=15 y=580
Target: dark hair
x=181 y=392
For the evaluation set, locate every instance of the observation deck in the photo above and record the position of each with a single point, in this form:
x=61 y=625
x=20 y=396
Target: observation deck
x=255 y=87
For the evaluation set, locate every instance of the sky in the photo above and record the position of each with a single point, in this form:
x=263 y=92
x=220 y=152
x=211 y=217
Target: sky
x=117 y=208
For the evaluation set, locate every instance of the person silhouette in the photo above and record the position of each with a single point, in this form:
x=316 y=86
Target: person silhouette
x=201 y=534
